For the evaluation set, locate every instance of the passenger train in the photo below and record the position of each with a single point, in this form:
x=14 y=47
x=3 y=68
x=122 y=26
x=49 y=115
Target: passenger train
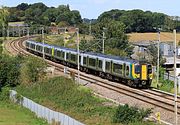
x=127 y=71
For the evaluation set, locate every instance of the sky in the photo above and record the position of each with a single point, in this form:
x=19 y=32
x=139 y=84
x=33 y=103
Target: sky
x=93 y=8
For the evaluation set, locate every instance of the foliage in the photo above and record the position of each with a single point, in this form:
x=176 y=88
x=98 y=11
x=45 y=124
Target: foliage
x=125 y=114
x=140 y=21
x=3 y=16
x=3 y=20
x=64 y=95
x=63 y=24
x=166 y=85
x=32 y=70
x=1 y=47
x=116 y=41
x=4 y=94
x=152 y=50
x=9 y=70
x=40 y=14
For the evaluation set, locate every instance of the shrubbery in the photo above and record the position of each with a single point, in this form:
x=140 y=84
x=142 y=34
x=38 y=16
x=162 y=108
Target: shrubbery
x=32 y=70
x=125 y=114
x=9 y=70
x=77 y=101
x=4 y=94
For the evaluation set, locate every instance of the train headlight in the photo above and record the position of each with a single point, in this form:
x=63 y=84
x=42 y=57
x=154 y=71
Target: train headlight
x=143 y=82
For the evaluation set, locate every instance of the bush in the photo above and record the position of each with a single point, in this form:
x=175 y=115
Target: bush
x=9 y=70
x=32 y=70
x=125 y=114
x=63 y=95
x=4 y=94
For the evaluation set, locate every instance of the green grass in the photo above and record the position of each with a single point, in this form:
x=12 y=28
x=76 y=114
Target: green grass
x=63 y=95
x=11 y=114
x=59 y=39
x=164 y=85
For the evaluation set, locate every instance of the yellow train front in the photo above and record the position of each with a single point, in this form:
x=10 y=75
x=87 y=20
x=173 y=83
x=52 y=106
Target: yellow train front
x=142 y=74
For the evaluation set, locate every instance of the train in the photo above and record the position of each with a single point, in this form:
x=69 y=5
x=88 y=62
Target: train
x=124 y=70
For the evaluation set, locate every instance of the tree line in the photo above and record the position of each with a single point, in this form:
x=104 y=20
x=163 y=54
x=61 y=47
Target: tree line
x=134 y=20
x=39 y=13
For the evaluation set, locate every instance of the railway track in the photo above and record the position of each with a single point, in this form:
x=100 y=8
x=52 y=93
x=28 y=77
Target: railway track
x=150 y=96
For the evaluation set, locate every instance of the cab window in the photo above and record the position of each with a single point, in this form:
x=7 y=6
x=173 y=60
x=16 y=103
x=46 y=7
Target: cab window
x=149 y=69
x=137 y=69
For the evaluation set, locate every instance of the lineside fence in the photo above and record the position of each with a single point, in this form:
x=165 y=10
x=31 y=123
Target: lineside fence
x=170 y=77
x=51 y=116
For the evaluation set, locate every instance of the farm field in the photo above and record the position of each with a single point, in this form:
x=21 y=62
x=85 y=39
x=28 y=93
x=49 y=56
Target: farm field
x=165 y=37
x=16 y=115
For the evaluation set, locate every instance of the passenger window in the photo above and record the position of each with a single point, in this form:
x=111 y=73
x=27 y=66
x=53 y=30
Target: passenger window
x=73 y=57
x=117 y=68
x=92 y=62
x=84 y=60
x=27 y=44
x=100 y=64
x=127 y=70
x=79 y=59
x=67 y=56
x=63 y=54
x=108 y=66
x=58 y=53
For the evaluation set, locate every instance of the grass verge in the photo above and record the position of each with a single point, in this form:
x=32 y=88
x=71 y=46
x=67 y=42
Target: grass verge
x=16 y=115
x=63 y=95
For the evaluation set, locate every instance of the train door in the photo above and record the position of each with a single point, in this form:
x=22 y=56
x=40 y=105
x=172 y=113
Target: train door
x=124 y=69
x=143 y=72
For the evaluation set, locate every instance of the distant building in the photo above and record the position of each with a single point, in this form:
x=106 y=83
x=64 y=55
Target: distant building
x=71 y=29
x=166 y=49
x=17 y=24
x=169 y=65
x=58 y=30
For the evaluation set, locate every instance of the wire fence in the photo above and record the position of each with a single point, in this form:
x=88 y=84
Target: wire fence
x=51 y=116
x=170 y=77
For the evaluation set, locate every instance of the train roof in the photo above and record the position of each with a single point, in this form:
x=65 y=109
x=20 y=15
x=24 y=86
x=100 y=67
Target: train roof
x=91 y=53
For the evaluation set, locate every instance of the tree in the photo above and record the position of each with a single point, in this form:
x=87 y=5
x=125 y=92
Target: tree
x=3 y=20
x=9 y=70
x=32 y=72
x=22 y=6
x=33 y=15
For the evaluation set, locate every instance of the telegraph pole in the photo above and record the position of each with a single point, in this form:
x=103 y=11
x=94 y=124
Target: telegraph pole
x=28 y=32
x=90 y=28
x=43 y=41
x=175 y=81
x=103 y=39
x=158 y=58
x=77 y=31
x=19 y=31
x=8 y=32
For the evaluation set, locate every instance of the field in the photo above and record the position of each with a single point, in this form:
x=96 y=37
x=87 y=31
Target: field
x=165 y=37
x=16 y=115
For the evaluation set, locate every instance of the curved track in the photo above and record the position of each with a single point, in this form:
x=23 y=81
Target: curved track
x=154 y=97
